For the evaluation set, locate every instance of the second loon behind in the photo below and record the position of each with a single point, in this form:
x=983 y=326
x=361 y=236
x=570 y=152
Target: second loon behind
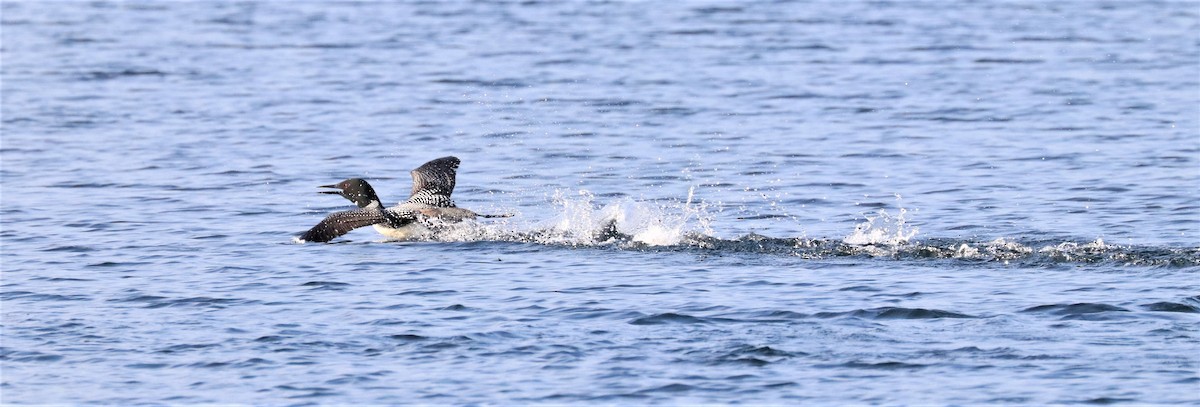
x=433 y=183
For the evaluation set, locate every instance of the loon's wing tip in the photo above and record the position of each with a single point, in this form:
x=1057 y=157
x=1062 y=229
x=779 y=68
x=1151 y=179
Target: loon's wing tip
x=340 y=223
x=433 y=182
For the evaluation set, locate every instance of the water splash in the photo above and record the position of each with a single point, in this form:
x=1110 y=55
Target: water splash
x=882 y=229
x=577 y=220
x=581 y=222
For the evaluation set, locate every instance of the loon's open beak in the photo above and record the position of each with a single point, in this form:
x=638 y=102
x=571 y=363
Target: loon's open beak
x=339 y=190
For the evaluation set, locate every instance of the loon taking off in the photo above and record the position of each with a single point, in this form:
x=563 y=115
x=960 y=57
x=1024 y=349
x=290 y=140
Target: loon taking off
x=433 y=183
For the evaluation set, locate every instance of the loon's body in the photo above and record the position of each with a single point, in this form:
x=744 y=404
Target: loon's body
x=428 y=216
x=428 y=207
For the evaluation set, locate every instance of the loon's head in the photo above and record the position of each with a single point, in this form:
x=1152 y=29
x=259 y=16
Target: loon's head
x=356 y=190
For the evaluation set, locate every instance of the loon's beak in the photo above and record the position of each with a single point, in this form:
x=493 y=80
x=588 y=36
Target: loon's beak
x=339 y=190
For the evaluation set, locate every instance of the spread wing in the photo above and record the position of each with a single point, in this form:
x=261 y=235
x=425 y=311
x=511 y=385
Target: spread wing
x=340 y=223
x=433 y=182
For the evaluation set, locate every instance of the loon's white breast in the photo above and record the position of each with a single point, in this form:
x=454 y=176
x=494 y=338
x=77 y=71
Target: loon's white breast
x=415 y=230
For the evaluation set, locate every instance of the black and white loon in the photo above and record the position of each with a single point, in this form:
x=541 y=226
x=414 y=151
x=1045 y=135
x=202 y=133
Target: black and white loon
x=433 y=183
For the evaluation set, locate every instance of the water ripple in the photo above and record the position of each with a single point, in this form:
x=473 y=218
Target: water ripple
x=715 y=202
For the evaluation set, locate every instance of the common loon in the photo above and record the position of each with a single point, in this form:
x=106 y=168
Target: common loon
x=433 y=182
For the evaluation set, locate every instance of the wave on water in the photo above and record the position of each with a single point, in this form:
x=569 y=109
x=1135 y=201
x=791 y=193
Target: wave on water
x=577 y=220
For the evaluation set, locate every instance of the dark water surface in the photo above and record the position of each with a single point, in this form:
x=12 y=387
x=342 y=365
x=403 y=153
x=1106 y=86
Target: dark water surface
x=716 y=202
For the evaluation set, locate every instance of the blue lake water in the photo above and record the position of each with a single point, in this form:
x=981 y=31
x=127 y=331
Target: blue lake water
x=716 y=202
